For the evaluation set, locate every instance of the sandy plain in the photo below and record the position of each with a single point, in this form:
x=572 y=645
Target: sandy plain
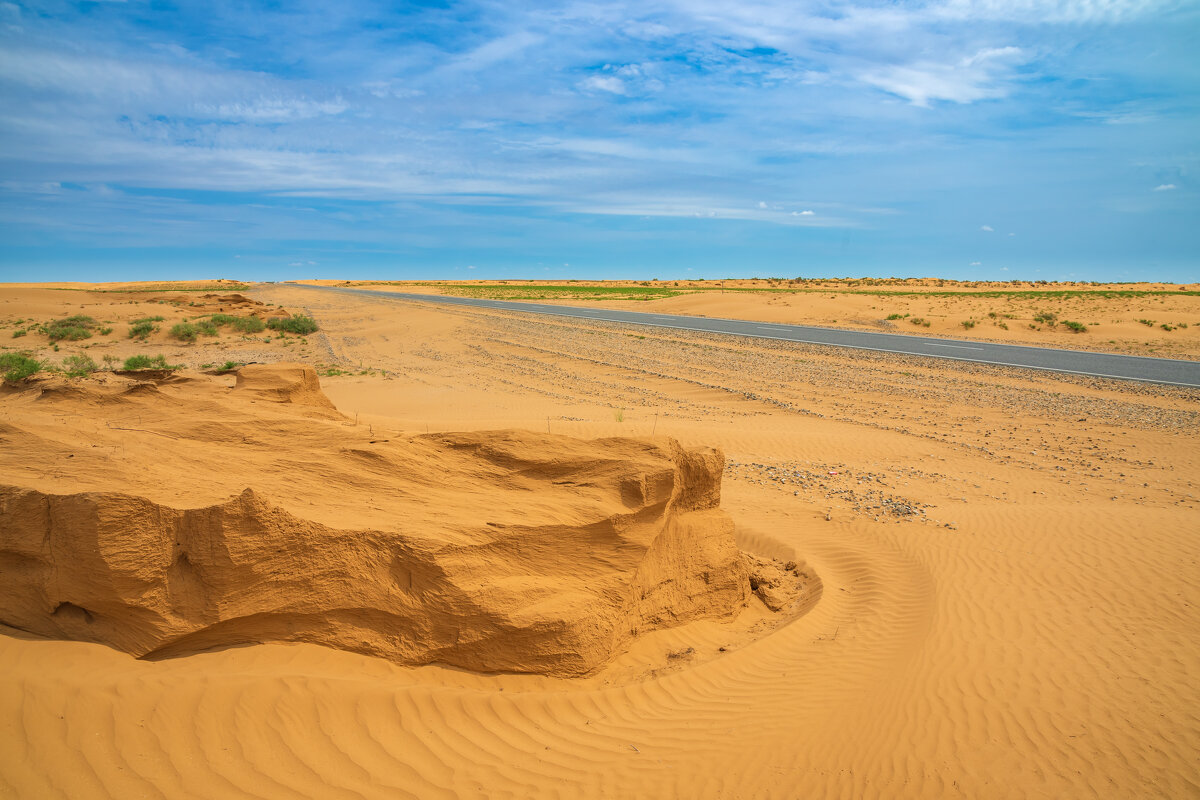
x=1154 y=319
x=1008 y=565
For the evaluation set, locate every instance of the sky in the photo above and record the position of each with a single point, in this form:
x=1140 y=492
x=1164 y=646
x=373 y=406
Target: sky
x=970 y=139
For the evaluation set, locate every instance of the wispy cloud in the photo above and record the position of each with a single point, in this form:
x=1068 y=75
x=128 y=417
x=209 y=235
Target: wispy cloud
x=980 y=76
x=515 y=122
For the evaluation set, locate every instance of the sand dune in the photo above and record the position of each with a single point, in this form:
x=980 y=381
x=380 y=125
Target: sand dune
x=1001 y=583
x=497 y=551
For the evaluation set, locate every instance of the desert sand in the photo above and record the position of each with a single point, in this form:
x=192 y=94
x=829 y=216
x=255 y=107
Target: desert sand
x=1150 y=319
x=994 y=571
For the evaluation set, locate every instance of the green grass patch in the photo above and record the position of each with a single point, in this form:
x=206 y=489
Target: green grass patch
x=519 y=292
x=17 y=334
x=79 y=365
x=142 y=328
x=239 y=324
x=18 y=366
x=298 y=323
x=71 y=329
x=896 y=316
x=564 y=292
x=1074 y=327
x=968 y=323
x=212 y=287
x=147 y=362
x=184 y=332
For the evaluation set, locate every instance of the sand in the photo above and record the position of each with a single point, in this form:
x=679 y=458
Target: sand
x=1007 y=565
x=1149 y=319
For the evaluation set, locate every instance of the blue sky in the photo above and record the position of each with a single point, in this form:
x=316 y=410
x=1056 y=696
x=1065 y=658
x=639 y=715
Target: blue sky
x=981 y=139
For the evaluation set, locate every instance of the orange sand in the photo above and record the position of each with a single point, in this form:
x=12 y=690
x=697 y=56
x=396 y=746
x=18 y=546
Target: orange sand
x=1114 y=323
x=1008 y=562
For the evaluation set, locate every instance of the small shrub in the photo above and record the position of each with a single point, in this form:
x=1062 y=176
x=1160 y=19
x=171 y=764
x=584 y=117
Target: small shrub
x=184 y=332
x=72 y=329
x=17 y=366
x=17 y=334
x=248 y=325
x=896 y=316
x=968 y=323
x=295 y=324
x=79 y=365
x=105 y=331
x=920 y=321
x=207 y=327
x=1047 y=318
x=1002 y=325
x=619 y=416
x=142 y=328
x=146 y=362
x=1167 y=328
x=1149 y=323
x=230 y=365
x=1074 y=327
x=239 y=324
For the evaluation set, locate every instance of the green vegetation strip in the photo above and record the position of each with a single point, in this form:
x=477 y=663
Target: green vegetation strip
x=654 y=292
x=216 y=287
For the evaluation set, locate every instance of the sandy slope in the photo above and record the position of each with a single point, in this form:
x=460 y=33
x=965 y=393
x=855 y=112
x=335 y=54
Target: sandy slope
x=1008 y=565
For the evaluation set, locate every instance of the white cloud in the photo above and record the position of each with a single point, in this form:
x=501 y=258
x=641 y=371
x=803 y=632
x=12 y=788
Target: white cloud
x=1035 y=11
x=976 y=264
x=1166 y=187
x=976 y=77
x=987 y=228
x=470 y=266
x=605 y=83
x=761 y=204
x=805 y=213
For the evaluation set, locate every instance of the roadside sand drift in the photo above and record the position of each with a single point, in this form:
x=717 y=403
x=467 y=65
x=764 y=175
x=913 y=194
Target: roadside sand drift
x=493 y=551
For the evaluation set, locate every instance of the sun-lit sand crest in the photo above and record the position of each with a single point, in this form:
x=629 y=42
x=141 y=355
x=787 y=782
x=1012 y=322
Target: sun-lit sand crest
x=492 y=551
x=991 y=572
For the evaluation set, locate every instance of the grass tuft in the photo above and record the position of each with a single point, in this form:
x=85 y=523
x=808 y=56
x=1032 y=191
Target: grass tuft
x=295 y=324
x=184 y=332
x=142 y=328
x=18 y=366
x=72 y=329
x=79 y=365
x=146 y=362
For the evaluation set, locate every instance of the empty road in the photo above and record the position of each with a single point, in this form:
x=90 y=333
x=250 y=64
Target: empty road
x=1075 y=362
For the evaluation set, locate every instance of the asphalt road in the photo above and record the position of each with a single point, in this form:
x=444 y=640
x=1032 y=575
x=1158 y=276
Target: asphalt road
x=1075 y=362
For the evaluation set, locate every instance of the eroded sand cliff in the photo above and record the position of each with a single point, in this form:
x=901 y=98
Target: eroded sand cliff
x=493 y=551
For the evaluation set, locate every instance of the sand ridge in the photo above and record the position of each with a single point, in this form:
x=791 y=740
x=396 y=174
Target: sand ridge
x=493 y=551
